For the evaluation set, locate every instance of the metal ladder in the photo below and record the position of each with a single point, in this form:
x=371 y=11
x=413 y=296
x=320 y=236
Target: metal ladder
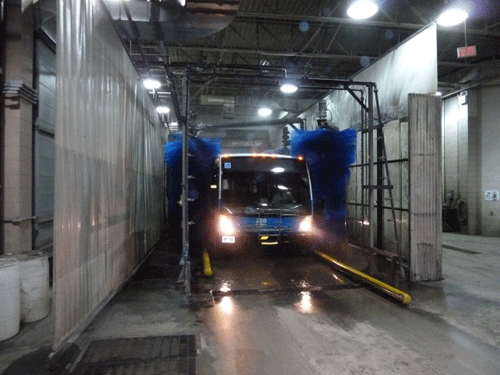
x=382 y=183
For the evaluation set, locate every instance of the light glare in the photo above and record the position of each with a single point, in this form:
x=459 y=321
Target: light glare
x=225 y=288
x=362 y=9
x=452 y=17
x=226 y=305
x=162 y=110
x=288 y=88
x=306 y=302
x=151 y=84
x=226 y=226
x=306 y=224
x=264 y=112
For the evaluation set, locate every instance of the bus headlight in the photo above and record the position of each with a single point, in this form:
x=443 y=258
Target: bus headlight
x=226 y=226
x=306 y=224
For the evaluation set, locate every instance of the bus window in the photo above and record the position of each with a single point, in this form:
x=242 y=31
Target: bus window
x=247 y=191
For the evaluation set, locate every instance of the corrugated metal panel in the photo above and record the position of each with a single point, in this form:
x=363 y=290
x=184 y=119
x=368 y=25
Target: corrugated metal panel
x=425 y=187
x=109 y=166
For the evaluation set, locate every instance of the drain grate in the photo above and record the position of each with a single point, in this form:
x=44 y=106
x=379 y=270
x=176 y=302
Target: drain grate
x=143 y=355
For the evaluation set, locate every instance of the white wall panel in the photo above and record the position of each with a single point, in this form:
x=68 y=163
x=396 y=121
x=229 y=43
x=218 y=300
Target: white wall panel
x=409 y=68
x=109 y=165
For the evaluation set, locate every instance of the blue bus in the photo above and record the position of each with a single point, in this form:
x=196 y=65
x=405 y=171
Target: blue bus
x=261 y=198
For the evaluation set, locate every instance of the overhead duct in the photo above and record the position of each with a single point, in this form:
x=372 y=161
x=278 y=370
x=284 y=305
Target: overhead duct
x=216 y=100
x=177 y=22
x=227 y=103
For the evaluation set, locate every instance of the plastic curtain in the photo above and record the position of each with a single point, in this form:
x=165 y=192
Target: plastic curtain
x=109 y=165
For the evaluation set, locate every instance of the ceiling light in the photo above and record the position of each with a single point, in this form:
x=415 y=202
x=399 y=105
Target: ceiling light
x=151 y=84
x=439 y=93
x=288 y=88
x=264 y=112
x=362 y=9
x=162 y=110
x=452 y=17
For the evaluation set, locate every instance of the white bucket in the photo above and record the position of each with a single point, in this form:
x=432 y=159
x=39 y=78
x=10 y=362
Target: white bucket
x=34 y=276
x=9 y=298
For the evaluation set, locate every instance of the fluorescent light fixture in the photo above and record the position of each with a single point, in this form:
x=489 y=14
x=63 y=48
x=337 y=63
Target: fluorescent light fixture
x=151 y=84
x=452 y=17
x=264 y=112
x=278 y=170
x=362 y=9
x=288 y=88
x=282 y=187
x=162 y=110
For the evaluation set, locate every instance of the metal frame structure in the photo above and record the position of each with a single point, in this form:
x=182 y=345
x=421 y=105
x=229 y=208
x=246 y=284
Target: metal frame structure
x=284 y=121
x=368 y=130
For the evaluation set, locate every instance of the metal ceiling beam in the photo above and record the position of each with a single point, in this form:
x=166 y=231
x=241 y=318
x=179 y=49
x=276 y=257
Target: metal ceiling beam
x=154 y=64
x=292 y=18
x=264 y=53
x=416 y=12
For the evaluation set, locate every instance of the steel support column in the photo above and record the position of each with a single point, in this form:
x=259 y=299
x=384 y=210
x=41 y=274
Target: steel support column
x=185 y=260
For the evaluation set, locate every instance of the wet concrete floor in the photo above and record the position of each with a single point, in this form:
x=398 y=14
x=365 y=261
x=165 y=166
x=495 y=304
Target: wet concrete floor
x=267 y=312
x=275 y=313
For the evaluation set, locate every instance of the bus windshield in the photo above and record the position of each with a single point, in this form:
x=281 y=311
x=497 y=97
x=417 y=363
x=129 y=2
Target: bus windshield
x=250 y=185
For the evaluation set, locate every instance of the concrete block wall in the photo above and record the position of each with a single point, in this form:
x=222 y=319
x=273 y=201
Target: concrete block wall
x=17 y=166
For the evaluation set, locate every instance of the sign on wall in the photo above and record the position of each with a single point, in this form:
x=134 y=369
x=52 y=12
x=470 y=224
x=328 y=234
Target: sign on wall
x=491 y=195
x=467 y=51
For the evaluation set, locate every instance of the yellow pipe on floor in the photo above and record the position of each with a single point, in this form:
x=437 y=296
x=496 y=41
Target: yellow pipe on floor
x=207 y=268
x=403 y=297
